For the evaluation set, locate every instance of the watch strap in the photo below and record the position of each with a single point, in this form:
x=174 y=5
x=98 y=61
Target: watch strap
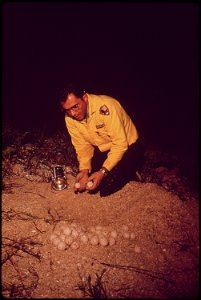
x=104 y=171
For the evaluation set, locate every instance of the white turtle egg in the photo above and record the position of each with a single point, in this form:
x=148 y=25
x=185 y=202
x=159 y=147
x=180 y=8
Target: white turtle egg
x=79 y=265
x=94 y=240
x=113 y=234
x=124 y=227
x=57 y=231
x=126 y=234
x=61 y=245
x=62 y=237
x=92 y=229
x=74 y=245
x=67 y=231
x=62 y=227
x=84 y=238
x=112 y=241
x=81 y=232
x=77 y=185
x=74 y=233
x=132 y=235
x=98 y=228
x=56 y=241
x=137 y=249
x=103 y=241
x=105 y=232
x=89 y=235
x=100 y=235
x=53 y=236
x=68 y=240
x=89 y=184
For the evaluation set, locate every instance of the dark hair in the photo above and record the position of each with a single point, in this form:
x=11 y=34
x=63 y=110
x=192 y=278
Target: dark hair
x=73 y=88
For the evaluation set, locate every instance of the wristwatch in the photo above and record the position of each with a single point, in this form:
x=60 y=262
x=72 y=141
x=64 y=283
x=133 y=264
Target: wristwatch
x=104 y=171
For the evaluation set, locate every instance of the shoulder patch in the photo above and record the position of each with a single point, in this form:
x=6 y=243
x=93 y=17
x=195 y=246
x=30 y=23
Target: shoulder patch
x=104 y=110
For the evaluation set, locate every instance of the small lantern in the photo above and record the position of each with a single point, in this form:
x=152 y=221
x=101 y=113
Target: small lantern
x=59 y=180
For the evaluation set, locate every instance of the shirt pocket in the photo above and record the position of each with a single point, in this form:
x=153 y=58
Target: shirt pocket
x=101 y=130
x=102 y=135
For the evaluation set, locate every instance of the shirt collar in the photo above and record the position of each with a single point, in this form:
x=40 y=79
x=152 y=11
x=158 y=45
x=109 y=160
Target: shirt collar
x=90 y=109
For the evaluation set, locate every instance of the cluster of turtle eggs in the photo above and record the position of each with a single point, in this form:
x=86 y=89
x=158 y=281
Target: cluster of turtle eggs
x=71 y=236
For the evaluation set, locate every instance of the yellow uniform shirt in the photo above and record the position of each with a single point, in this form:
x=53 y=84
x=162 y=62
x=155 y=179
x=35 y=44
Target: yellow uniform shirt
x=107 y=126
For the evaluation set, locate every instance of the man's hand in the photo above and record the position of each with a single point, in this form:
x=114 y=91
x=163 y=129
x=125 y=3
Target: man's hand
x=82 y=178
x=96 y=178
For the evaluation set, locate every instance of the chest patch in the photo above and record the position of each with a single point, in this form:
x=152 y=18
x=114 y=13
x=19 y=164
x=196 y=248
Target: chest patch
x=100 y=126
x=104 y=110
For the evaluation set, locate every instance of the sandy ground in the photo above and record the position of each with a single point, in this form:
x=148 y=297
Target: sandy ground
x=155 y=252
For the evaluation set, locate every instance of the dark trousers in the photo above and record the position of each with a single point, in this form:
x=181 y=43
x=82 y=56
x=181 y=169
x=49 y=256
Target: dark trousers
x=123 y=172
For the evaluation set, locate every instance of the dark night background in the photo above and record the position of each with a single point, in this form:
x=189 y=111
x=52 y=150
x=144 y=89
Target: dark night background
x=145 y=55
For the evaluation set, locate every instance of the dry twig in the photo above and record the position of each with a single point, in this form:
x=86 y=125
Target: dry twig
x=15 y=247
x=153 y=274
x=36 y=194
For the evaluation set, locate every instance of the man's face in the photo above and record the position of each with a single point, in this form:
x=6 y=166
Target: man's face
x=75 y=107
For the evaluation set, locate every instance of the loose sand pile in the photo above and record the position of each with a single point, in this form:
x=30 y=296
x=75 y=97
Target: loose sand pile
x=155 y=253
